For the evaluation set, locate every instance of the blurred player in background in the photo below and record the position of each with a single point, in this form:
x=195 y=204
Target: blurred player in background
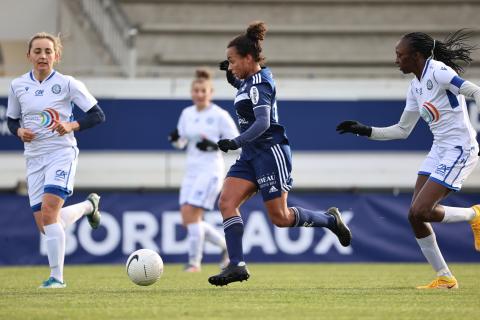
x=39 y=112
x=436 y=94
x=198 y=127
x=265 y=161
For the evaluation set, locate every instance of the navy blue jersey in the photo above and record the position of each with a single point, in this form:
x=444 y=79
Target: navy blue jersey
x=256 y=91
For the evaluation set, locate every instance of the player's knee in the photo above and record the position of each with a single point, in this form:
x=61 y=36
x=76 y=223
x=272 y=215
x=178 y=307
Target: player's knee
x=49 y=213
x=418 y=214
x=225 y=204
x=280 y=220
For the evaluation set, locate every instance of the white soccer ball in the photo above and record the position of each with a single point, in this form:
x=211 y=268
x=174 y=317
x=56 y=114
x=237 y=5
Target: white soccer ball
x=144 y=267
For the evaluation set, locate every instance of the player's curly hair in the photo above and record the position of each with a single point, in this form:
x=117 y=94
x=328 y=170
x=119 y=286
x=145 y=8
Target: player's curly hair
x=451 y=51
x=250 y=41
x=57 y=43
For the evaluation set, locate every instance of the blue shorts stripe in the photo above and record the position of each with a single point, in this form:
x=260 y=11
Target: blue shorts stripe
x=37 y=207
x=446 y=185
x=423 y=173
x=459 y=171
x=455 y=163
x=57 y=190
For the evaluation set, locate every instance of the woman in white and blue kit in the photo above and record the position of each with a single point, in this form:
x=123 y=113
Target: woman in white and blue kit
x=199 y=126
x=437 y=95
x=39 y=112
x=265 y=162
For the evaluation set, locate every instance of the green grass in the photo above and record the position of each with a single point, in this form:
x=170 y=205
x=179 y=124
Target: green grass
x=274 y=291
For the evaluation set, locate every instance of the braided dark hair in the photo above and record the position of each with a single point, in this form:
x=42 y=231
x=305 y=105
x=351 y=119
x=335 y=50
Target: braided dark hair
x=250 y=41
x=452 y=50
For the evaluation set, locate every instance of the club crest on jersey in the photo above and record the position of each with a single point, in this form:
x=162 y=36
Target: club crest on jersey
x=254 y=95
x=429 y=84
x=48 y=117
x=429 y=113
x=56 y=89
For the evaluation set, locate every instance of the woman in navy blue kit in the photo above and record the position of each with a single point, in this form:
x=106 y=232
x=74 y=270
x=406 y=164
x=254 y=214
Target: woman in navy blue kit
x=265 y=162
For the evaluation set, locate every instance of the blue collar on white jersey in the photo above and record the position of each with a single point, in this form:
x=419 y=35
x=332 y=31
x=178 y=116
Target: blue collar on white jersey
x=48 y=78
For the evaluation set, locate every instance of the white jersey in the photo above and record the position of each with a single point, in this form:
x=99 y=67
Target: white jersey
x=212 y=123
x=436 y=97
x=39 y=104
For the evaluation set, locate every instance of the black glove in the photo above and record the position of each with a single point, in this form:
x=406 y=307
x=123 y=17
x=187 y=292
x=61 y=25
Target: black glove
x=227 y=144
x=173 y=136
x=207 y=145
x=230 y=77
x=355 y=127
x=223 y=65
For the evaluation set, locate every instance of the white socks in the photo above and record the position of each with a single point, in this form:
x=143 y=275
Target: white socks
x=55 y=242
x=70 y=214
x=195 y=238
x=430 y=250
x=197 y=234
x=455 y=214
x=213 y=236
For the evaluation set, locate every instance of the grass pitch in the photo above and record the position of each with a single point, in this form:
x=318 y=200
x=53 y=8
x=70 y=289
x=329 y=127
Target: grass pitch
x=274 y=291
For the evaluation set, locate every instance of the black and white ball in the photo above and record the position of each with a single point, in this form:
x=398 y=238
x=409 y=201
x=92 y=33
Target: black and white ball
x=144 y=267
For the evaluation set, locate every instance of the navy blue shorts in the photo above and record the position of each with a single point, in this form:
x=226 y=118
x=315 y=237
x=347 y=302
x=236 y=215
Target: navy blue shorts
x=270 y=170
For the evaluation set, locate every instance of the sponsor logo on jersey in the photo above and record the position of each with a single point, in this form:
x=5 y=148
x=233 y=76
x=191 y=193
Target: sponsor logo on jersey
x=429 y=84
x=419 y=91
x=254 y=95
x=48 y=117
x=267 y=180
x=272 y=189
x=429 y=113
x=442 y=169
x=210 y=120
x=39 y=93
x=60 y=175
x=56 y=89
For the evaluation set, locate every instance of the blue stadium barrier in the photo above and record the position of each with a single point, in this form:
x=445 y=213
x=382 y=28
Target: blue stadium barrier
x=378 y=221
x=145 y=124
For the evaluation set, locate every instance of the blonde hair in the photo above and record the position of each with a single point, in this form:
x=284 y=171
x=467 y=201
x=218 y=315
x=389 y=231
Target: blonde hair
x=57 y=43
x=203 y=75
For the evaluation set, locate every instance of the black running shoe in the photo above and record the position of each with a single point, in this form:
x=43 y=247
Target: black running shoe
x=231 y=273
x=343 y=233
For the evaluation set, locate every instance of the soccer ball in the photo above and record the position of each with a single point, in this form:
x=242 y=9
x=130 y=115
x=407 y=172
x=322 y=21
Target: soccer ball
x=144 y=267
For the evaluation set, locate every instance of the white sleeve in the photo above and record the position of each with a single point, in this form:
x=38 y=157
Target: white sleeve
x=228 y=128
x=411 y=103
x=80 y=95
x=471 y=90
x=448 y=79
x=401 y=130
x=14 y=110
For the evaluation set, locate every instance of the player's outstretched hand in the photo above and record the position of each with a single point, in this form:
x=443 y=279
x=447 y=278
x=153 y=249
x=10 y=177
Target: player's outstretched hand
x=354 y=127
x=227 y=144
x=173 y=136
x=207 y=145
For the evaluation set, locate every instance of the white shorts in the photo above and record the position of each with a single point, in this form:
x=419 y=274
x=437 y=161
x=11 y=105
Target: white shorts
x=200 y=190
x=52 y=173
x=449 y=166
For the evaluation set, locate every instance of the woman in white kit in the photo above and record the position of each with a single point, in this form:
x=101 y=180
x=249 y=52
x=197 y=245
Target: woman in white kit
x=436 y=94
x=39 y=112
x=198 y=127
